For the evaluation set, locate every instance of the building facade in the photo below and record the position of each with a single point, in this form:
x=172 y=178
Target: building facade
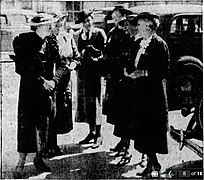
x=73 y=7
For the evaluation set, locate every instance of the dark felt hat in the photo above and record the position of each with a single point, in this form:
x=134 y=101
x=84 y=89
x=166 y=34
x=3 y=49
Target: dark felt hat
x=83 y=15
x=122 y=10
x=147 y=15
x=144 y=15
x=127 y=18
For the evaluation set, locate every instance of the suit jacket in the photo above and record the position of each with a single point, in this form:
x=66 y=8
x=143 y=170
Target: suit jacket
x=96 y=40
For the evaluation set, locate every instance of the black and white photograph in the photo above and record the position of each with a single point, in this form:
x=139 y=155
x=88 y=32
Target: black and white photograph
x=101 y=89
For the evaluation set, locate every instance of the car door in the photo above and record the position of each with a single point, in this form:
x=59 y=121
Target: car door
x=185 y=36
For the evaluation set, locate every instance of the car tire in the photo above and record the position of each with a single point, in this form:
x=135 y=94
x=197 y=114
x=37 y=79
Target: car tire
x=187 y=77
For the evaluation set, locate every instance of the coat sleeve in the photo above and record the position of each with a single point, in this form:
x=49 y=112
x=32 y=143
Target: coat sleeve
x=60 y=63
x=101 y=40
x=157 y=60
x=27 y=58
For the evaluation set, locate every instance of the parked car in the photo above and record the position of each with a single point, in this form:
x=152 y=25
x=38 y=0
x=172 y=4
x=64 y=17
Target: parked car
x=12 y=23
x=181 y=27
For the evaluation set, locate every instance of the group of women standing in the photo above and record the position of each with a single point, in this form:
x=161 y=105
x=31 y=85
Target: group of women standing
x=134 y=62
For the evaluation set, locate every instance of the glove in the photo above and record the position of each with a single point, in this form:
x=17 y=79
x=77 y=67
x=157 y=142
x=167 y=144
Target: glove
x=49 y=85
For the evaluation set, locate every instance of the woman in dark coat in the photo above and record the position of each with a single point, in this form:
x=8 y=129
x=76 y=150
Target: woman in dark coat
x=145 y=91
x=37 y=84
x=116 y=47
x=91 y=43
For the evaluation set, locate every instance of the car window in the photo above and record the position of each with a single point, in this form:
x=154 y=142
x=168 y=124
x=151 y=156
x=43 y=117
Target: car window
x=98 y=17
x=2 y=21
x=186 y=24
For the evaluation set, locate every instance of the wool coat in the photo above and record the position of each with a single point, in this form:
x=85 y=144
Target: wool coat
x=144 y=100
x=34 y=102
x=117 y=46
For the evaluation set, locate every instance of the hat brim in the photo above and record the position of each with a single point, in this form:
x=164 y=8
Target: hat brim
x=126 y=11
x=147 y=17
x=129 y=18
x=44 y=23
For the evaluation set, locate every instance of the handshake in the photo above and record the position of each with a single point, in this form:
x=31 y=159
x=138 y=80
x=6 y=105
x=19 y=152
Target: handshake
x=48 y=85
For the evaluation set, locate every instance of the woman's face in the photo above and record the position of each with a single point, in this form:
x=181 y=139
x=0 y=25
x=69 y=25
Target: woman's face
x=88 y=22
x=45 y=30
x=117 y=16
x=143 y=28
x=56 y=28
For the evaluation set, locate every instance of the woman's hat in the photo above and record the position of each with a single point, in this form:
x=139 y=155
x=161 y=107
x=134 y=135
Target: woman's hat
x=122 y=10
x=127 y=18
x=83 y=15
x=59 y=15
x=145 y=15
x=42 y=19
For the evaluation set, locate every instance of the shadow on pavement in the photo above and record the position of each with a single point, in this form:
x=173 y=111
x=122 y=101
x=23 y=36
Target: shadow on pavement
x=83 y=162
x=80 y=162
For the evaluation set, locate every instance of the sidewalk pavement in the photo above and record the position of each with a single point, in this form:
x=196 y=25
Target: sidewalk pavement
x=80 y=162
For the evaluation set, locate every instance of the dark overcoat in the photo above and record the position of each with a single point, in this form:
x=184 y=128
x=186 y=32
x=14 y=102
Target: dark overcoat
x=116 y=46
x=144 y=100
x=34 y=102
x=89 y=75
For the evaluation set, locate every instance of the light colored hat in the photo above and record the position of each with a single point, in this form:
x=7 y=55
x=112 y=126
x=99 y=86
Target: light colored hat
x=42 y=19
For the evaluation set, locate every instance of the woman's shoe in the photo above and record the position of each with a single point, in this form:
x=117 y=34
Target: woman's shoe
x=157 y=167
x=146 y=173
x=88 y=138
x=18 y=172
x=143 y=162
x=40 y=165
x=97 y=142
x=121 y=152
x=125 y=159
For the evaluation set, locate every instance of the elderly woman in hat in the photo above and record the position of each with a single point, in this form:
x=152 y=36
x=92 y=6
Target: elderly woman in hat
x=37 y=84
x=91 y=43
x=144 y=89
